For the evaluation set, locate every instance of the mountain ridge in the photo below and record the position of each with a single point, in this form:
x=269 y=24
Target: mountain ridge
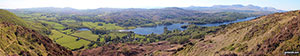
x=220 y=8
x=234 y=7
x=266 y=35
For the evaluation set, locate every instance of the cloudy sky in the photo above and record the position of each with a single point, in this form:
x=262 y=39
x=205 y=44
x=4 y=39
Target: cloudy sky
x=92 y=4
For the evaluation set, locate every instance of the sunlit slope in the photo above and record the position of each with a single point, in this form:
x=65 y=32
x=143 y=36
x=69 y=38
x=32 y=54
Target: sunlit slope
x=6 y=16
x=269 y=35
x=16 y=39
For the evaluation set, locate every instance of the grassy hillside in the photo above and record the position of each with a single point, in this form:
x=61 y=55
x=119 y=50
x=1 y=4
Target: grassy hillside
x=7 y=16
x=16 y=39
x=269 y=35
x=86 y=34
x=10 y=17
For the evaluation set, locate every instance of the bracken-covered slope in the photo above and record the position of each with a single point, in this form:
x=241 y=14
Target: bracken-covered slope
x=270 y=35
x=161 y=48
x=16 y=39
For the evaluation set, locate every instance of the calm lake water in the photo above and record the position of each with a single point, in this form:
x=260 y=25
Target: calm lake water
x=157 y=29
x=160 y=29
x=224 y=23
x=84 y=29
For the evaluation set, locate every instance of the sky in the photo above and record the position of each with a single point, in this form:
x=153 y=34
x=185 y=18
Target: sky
x=93 y=4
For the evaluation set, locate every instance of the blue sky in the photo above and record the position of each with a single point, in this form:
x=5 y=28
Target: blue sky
x=92 y=4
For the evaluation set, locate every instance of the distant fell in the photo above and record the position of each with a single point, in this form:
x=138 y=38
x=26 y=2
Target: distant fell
x=234 y=8
x=270 y=35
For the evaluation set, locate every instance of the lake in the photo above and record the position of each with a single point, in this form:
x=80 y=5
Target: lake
x=157 y=29
x=224 y=23
x=160 y=29
x=84 y=29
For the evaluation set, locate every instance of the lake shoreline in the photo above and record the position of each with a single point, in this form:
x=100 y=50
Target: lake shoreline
x=159 y=29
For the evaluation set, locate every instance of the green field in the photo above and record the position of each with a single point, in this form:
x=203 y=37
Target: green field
x=68 y=21
x=131 y=27
x=54 y=25
x=68 y=31
x=86 y=34
x=67 y=41
x=104 y=26
x=71 y=42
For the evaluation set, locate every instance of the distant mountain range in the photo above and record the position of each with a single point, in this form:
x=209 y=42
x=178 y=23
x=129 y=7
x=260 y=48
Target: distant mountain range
x=233 y=8
x=212 y=9
x=132 y=12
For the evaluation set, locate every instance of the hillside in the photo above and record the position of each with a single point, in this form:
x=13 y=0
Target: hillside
x=269 y=35
x=10 y=17
x=16 y=39
x=130 y=49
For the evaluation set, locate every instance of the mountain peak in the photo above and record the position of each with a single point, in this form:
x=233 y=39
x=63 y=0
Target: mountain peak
x=238 y=5
x=250 y=5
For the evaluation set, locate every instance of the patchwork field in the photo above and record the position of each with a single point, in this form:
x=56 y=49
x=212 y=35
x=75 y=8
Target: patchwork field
x=101 y=25
x=54 y=25
x=68 y=31
x=86 y=34
x=67 y=41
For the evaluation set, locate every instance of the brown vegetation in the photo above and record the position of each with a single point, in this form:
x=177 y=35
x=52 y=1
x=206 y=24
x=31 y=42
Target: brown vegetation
x=157 y=48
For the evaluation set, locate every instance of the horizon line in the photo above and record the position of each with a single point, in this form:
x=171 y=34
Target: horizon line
x=152 y=7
